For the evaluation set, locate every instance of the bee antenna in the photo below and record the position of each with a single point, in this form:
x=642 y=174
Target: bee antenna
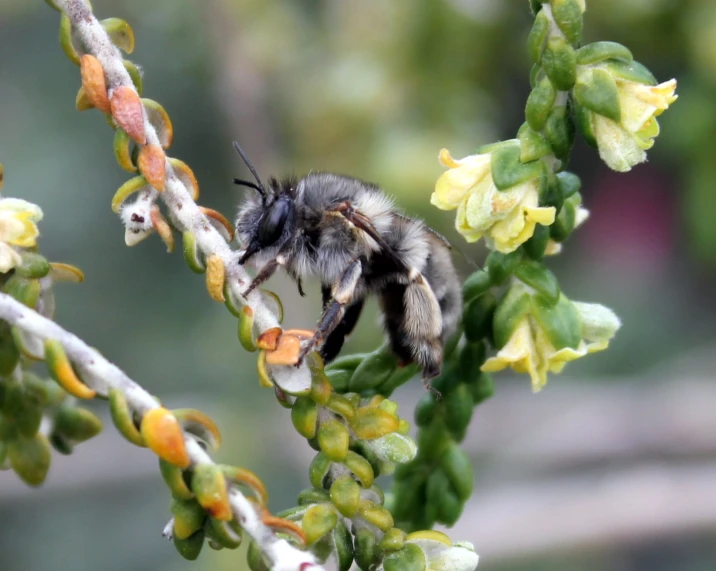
x=260 y=186
x=249 y=184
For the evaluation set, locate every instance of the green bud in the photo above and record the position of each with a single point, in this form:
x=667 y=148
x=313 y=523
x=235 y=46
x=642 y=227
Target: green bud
x=409 y=558
x=513 y=307
x=304 y=416
x=376 y=515
x=365 y=450
x=477 y=284
x=61 y=443
x=401 y=376
x=538 y=277
x=33 y=265
x=174 y=478
x=367 y=553
x=560 y=132
x=340 y=379
x=565 y=221
x=255 y=558
x=190 y=547
x=536 y=246
x=471 y=359
x=568 y=17
x=318 y=520
x=373 y=370
x=559 y=321
x=189 y=517
x=123 y=417
x=458 y=410
x=30 y=458
x=458 y=469
x=597 y=52
x=225 y=534
x=312 y=496
x=8 y=430
x=583 y=120
x=77 y=424
x=560 y=64
x=450 y=508
x=333 y=439
x=372 y=423
x=134 y=75
x=500 y=266
x=343 y=542
x=246 y=329
x=24 y=290
x=507 y=169
x=9 y=353
x=537 y=36
x=533 y=146
x=393 y=539
x=436 y=488
x=192 y=256
x=482 y=388
x=425 y=409
x=597 y=91
x=209 y=484
x=477 y=317
x=394 y=448
x=318 y=470
x=360 y=467
x=539 y=103
x=569 y=182
x=345 y=495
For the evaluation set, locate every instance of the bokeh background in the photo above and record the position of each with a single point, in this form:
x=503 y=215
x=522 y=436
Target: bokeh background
x=611 y=467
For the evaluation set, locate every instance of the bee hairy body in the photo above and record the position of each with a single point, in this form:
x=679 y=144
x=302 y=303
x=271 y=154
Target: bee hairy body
x=349 y=234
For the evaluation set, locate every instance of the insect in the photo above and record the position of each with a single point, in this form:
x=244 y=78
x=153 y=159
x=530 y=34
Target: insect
x=349 y=234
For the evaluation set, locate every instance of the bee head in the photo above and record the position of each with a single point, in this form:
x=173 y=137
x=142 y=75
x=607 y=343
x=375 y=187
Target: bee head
x=266 y=220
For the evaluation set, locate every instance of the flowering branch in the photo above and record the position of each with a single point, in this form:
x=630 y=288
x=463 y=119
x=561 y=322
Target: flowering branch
x=106 y=378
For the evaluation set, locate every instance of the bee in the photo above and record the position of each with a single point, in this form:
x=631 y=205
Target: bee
x=349 y=234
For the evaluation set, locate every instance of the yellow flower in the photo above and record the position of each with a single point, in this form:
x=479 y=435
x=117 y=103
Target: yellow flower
x=531 y=345
x=17 y=228
x=623 y=144
x=506 y=218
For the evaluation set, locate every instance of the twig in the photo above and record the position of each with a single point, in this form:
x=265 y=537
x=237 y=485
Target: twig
x=102 y=376
x=176 y=196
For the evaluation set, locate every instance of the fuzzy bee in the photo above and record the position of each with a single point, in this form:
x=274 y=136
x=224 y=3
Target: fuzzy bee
x=349 y=234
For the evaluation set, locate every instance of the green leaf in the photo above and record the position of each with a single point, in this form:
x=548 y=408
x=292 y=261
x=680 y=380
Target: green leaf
x=559 y=321
x=533 y=146
x=409 y=558
x=513 y=307
x=500 y=266
x=367 y=553
x=537 y=276
x=560 y=63
x=583 y=120
x=477 y=317
x=568 y=17
x=600 y=51
x=564 y=224
x=458 y=469
x=477 y=284
x=536 y=246
x=599 y=94
x=30 y=458
x=569 y=182
x=539 y=103
x=560 y=133
x=33 y=265
x=373 y=370
x=537 y=36
x=458 y=410
x=633 y=71
x=507 y=169
x=190 y=547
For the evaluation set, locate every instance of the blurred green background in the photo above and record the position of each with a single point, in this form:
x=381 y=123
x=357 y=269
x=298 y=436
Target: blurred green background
x=612 y=467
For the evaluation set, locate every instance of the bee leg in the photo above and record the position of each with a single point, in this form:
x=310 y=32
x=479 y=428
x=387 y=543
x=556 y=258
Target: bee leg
x=334 y=342
x=333 y=312
x=265 y=273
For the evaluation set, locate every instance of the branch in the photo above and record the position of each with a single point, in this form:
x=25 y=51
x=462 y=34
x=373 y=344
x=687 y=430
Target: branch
x=176 y=196
x=101 y=375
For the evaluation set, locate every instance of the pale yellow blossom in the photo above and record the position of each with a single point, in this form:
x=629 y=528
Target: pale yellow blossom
x=18 y=229
x=506 y=218
x=624 y=144
x=530 y=350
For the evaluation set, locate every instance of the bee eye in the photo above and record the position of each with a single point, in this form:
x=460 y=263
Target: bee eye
x=272 y=222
